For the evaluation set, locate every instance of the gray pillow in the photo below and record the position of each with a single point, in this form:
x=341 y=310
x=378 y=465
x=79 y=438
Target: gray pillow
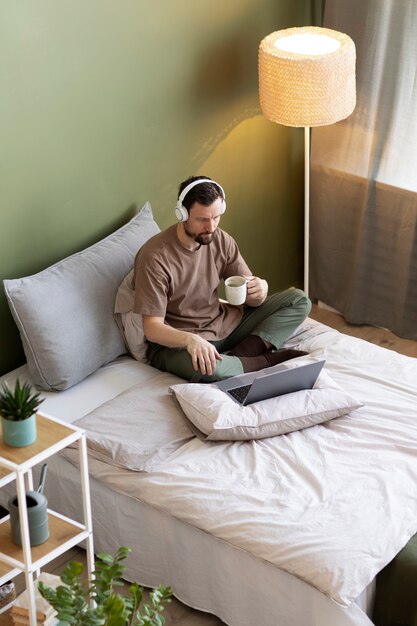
x=65 y=313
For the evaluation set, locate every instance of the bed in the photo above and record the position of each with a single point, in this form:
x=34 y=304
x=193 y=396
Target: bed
x=286 y=530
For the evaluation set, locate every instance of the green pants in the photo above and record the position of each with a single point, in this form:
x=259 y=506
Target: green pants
x=274 y=321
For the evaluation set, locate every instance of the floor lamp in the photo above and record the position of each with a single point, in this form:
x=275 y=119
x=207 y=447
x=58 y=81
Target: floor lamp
x=307 y=78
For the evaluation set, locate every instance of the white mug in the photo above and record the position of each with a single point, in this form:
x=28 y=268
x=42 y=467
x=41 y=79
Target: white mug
x=235 y=289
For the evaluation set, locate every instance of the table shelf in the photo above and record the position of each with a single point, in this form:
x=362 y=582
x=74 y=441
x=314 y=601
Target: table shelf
x=16 y=465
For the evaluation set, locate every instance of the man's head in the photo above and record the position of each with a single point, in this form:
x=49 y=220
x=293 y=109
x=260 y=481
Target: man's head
x=204 y=193
x=203 y=203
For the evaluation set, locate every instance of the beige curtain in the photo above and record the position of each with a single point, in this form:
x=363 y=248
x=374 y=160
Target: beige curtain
x=364 y=174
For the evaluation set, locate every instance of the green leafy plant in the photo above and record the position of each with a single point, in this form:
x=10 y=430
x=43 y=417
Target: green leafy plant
x=19 y=403
x=96 y=603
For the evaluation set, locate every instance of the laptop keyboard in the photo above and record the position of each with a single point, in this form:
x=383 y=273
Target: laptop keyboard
x=240 y=393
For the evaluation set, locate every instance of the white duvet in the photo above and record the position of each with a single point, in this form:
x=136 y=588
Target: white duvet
x=331 y=504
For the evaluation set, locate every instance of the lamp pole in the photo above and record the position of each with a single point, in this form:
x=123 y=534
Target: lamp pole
x=306 y=207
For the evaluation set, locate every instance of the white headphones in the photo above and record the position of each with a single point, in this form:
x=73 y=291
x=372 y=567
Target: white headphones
x=181 y=212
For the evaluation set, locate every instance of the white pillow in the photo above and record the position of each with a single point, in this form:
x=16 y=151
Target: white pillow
x=218 y=417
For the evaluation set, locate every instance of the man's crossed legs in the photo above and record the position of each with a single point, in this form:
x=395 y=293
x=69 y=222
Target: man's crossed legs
x=249 y=347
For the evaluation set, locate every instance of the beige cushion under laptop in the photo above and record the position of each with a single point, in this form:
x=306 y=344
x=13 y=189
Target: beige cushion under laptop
x=218 y=417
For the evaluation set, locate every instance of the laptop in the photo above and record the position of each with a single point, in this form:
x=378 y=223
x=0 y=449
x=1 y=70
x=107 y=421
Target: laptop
x=257 y=386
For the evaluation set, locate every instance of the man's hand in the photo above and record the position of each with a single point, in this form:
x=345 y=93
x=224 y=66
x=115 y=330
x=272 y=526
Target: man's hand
x=257 y=290
x=203 y=354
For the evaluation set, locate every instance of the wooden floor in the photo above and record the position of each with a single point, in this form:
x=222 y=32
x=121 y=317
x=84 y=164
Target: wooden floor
x=176 y=613
x=380 y=336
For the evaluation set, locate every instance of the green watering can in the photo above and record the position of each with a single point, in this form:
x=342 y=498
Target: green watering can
x=37 y=510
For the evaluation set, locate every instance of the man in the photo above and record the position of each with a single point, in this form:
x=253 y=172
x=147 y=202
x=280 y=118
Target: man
x=190 y=332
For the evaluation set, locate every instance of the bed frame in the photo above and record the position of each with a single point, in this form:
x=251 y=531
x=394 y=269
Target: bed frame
x=205 y=572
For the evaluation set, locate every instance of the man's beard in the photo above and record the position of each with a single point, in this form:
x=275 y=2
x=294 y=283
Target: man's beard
x=204 y=239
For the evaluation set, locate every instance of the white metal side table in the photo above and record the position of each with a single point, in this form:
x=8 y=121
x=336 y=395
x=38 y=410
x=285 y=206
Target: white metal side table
x=16 y=465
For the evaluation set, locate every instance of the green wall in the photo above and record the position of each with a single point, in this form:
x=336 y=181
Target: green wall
x=105 y=103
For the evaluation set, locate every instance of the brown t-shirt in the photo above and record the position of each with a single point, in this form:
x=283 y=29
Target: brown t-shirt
x=180 y=285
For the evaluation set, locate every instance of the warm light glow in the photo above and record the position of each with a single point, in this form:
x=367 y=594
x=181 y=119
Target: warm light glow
x=307 y=76
x=307 y=44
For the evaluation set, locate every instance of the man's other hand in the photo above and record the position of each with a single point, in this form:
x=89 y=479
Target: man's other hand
x=203 y=354
x=257 y=290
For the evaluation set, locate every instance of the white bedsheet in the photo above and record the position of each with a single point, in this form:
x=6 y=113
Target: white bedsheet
x=354 y=365
x=205 y=573
x=106 y=383
x=331 y=504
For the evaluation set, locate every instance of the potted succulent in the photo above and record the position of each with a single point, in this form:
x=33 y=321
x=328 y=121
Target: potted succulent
x=96 y=603
x=18 y=408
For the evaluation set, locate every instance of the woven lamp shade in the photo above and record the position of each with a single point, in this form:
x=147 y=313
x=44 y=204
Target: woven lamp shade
x=307 y=76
